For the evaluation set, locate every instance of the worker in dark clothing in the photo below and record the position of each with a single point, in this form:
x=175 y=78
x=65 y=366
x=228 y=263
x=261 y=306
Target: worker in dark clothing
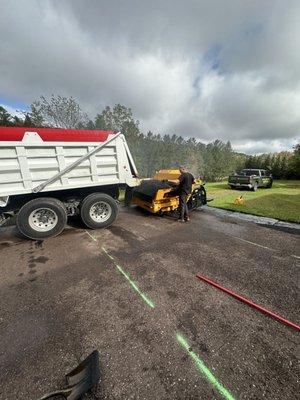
x=184 y=183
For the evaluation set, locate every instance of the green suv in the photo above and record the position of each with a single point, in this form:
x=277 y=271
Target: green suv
x=251 y=179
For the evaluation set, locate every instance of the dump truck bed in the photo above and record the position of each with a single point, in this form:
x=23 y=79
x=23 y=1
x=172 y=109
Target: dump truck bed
x=46 y=159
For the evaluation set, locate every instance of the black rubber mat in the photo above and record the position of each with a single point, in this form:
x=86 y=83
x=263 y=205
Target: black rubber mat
x=148 y=189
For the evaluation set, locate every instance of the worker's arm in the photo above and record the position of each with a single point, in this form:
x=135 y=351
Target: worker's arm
x=175 y=181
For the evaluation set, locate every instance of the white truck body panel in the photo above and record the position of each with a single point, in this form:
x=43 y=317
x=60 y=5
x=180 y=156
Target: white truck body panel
x=26 y=164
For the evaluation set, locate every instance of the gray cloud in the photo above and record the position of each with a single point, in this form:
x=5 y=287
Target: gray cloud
x=194 y=68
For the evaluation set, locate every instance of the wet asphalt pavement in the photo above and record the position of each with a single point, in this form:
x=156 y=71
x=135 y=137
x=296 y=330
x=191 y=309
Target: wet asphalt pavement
x=63 y=297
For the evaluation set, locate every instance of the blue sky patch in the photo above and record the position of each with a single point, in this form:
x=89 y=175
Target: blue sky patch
x=13 y=104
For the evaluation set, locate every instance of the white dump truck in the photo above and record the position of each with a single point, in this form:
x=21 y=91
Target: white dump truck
x=48 y=174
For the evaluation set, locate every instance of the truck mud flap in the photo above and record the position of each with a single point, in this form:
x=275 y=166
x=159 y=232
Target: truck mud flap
x=128 y=196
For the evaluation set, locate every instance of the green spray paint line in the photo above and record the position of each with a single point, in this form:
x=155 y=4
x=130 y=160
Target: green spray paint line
x=132 y=283
x=255 y=244
x=203 y=368
x=106 y=252
x=91 y=236
x=135 y=287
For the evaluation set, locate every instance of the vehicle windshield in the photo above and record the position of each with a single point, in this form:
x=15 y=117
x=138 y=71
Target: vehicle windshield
x=249 y=172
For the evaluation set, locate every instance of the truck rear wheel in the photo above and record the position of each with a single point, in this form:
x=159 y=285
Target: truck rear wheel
x=42 y=218
x=255 y=186
x=98 y=210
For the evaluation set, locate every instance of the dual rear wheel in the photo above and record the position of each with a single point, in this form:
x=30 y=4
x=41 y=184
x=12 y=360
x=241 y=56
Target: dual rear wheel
x=46 y=217
x=98 y=210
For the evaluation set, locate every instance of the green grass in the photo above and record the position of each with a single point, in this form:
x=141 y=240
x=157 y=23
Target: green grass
x=282 y=201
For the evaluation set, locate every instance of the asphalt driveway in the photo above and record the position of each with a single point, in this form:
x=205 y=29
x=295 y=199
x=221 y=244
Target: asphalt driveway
x=130 y=291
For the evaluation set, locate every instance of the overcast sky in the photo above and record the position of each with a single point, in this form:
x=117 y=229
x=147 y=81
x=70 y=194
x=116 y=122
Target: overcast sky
x=209 y=69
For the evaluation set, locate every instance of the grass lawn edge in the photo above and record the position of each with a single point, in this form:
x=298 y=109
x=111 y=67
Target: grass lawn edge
x=281 y=203
x=256 y=215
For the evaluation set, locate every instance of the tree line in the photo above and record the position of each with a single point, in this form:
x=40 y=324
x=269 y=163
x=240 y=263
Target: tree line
x=154 y=151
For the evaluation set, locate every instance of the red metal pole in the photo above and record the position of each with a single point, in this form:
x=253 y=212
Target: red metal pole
x=250 y=303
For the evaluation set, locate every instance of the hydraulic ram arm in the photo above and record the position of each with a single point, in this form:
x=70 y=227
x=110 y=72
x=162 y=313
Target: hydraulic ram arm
x=74 y=164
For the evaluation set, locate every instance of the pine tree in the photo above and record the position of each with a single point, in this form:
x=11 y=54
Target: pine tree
x=5 y=118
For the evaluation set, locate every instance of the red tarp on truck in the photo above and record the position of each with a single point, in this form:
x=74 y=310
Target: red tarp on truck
x=14 y=134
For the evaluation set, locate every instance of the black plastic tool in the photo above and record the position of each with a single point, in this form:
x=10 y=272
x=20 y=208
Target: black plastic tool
x=80 y=380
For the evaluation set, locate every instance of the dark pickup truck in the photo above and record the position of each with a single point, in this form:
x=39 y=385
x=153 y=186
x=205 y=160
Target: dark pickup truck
x=251 y=179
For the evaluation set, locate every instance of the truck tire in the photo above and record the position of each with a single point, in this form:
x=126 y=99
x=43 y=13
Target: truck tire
x=269 y=185
x=98 y=210
x=254 y=187
x=42 y=218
